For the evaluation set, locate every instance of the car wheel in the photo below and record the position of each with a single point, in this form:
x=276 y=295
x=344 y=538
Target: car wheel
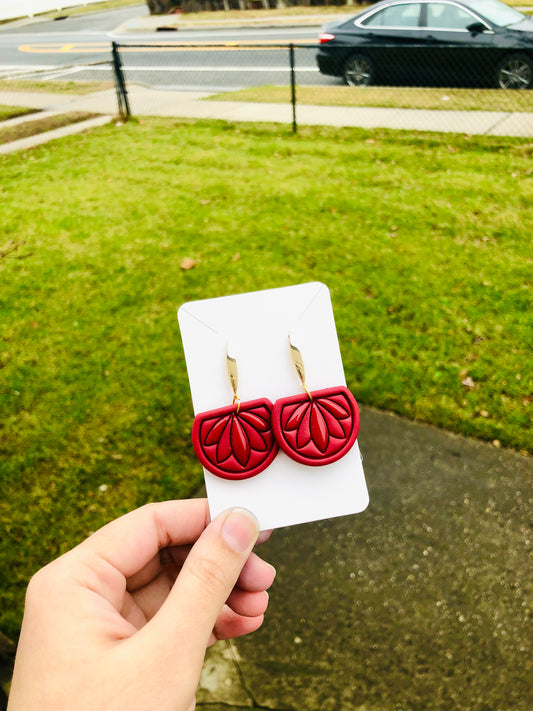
x=515 y=72
x=358 y=71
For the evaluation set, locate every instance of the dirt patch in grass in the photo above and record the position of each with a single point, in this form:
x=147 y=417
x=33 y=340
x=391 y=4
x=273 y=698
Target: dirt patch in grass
x=36 y=126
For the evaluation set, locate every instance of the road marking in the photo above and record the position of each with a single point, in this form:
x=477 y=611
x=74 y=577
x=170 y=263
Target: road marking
x=95 y=47
x=57 y=48
x=56 y=72
x=218 y=68
x=24 y=67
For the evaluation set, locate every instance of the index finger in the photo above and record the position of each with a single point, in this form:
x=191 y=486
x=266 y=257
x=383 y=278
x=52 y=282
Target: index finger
x=131 y=541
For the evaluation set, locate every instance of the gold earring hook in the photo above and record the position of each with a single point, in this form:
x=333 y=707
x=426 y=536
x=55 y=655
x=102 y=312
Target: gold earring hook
x=299 y=365
x=231 y=364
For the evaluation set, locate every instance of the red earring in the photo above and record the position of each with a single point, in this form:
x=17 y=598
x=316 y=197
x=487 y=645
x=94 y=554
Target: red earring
x=318 y=427
x=236 y=441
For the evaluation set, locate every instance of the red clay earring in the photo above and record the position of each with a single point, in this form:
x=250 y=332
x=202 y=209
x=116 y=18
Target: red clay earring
x=318 y=427
x=236 y=441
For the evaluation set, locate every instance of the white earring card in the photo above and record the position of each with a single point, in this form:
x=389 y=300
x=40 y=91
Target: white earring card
x=255 y=327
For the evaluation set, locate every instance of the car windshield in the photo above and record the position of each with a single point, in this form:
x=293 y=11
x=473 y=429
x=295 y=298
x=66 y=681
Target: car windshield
x=497 y=12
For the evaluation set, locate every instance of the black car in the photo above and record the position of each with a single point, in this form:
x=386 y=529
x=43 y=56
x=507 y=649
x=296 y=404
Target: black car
x=432 y=43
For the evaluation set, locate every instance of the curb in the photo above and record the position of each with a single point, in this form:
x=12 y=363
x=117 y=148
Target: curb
x=29 y=118
x=37 y=140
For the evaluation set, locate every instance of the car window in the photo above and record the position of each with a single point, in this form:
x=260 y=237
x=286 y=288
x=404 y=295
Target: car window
x=401 y=15
x=444 y=16
x=497 y=12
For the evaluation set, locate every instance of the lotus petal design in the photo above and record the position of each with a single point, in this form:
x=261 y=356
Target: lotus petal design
x=235 y=444
x=317 y=431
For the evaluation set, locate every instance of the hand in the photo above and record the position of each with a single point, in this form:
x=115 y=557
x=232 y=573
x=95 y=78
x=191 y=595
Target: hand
x=123 y=620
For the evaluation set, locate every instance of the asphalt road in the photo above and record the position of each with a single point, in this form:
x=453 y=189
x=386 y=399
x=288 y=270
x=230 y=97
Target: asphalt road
x=79 y=48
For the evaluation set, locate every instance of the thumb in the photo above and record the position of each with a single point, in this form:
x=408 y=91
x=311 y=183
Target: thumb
x=188 y=615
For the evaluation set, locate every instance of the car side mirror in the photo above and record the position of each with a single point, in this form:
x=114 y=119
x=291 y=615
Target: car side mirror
x=476 y=27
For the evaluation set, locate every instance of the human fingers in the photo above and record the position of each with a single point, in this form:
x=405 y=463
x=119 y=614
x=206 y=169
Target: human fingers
x=256 y=575
x=177 y=555
x=172 y=557
x=248 y=604
x=230 y=625
x=150 y=588
x=131 y=542
x=205 y=582
x=148 y=599
x=264 y=536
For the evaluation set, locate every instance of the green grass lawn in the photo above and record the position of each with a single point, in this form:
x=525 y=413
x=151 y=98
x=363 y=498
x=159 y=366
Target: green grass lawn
x=388 y=97
x=78 y=88
x=101 y=6
x=9 y=112
x=424 y=241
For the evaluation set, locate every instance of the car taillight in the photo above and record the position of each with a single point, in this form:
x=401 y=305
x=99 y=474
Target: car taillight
x=324 y=37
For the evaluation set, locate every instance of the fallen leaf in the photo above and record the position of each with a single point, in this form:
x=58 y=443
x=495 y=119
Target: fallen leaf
x=187 y=263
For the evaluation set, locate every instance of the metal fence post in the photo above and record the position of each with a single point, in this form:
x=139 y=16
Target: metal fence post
x=120 y=83
x=293 y=87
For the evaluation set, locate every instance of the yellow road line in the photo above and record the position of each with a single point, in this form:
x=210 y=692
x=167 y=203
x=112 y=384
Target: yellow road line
x=85 y=47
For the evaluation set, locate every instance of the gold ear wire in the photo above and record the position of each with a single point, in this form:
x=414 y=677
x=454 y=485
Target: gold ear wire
x=297 y=359
x=231 y=364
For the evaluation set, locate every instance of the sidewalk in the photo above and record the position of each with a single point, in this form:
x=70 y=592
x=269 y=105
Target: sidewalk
x=411 y=604
x=179 y=104
x=38 y=139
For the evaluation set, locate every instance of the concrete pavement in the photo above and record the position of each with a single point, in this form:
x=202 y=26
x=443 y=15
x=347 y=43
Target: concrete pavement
x=179 y=104
x=416 y=603
x=22 y=144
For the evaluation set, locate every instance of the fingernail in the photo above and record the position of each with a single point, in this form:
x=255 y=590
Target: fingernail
x=240 y=529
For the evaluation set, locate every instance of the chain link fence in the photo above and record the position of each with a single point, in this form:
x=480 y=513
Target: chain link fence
x=267 y=74
x=267 y=81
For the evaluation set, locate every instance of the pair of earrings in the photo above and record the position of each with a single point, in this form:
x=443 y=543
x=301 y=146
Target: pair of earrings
x=242 y=439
